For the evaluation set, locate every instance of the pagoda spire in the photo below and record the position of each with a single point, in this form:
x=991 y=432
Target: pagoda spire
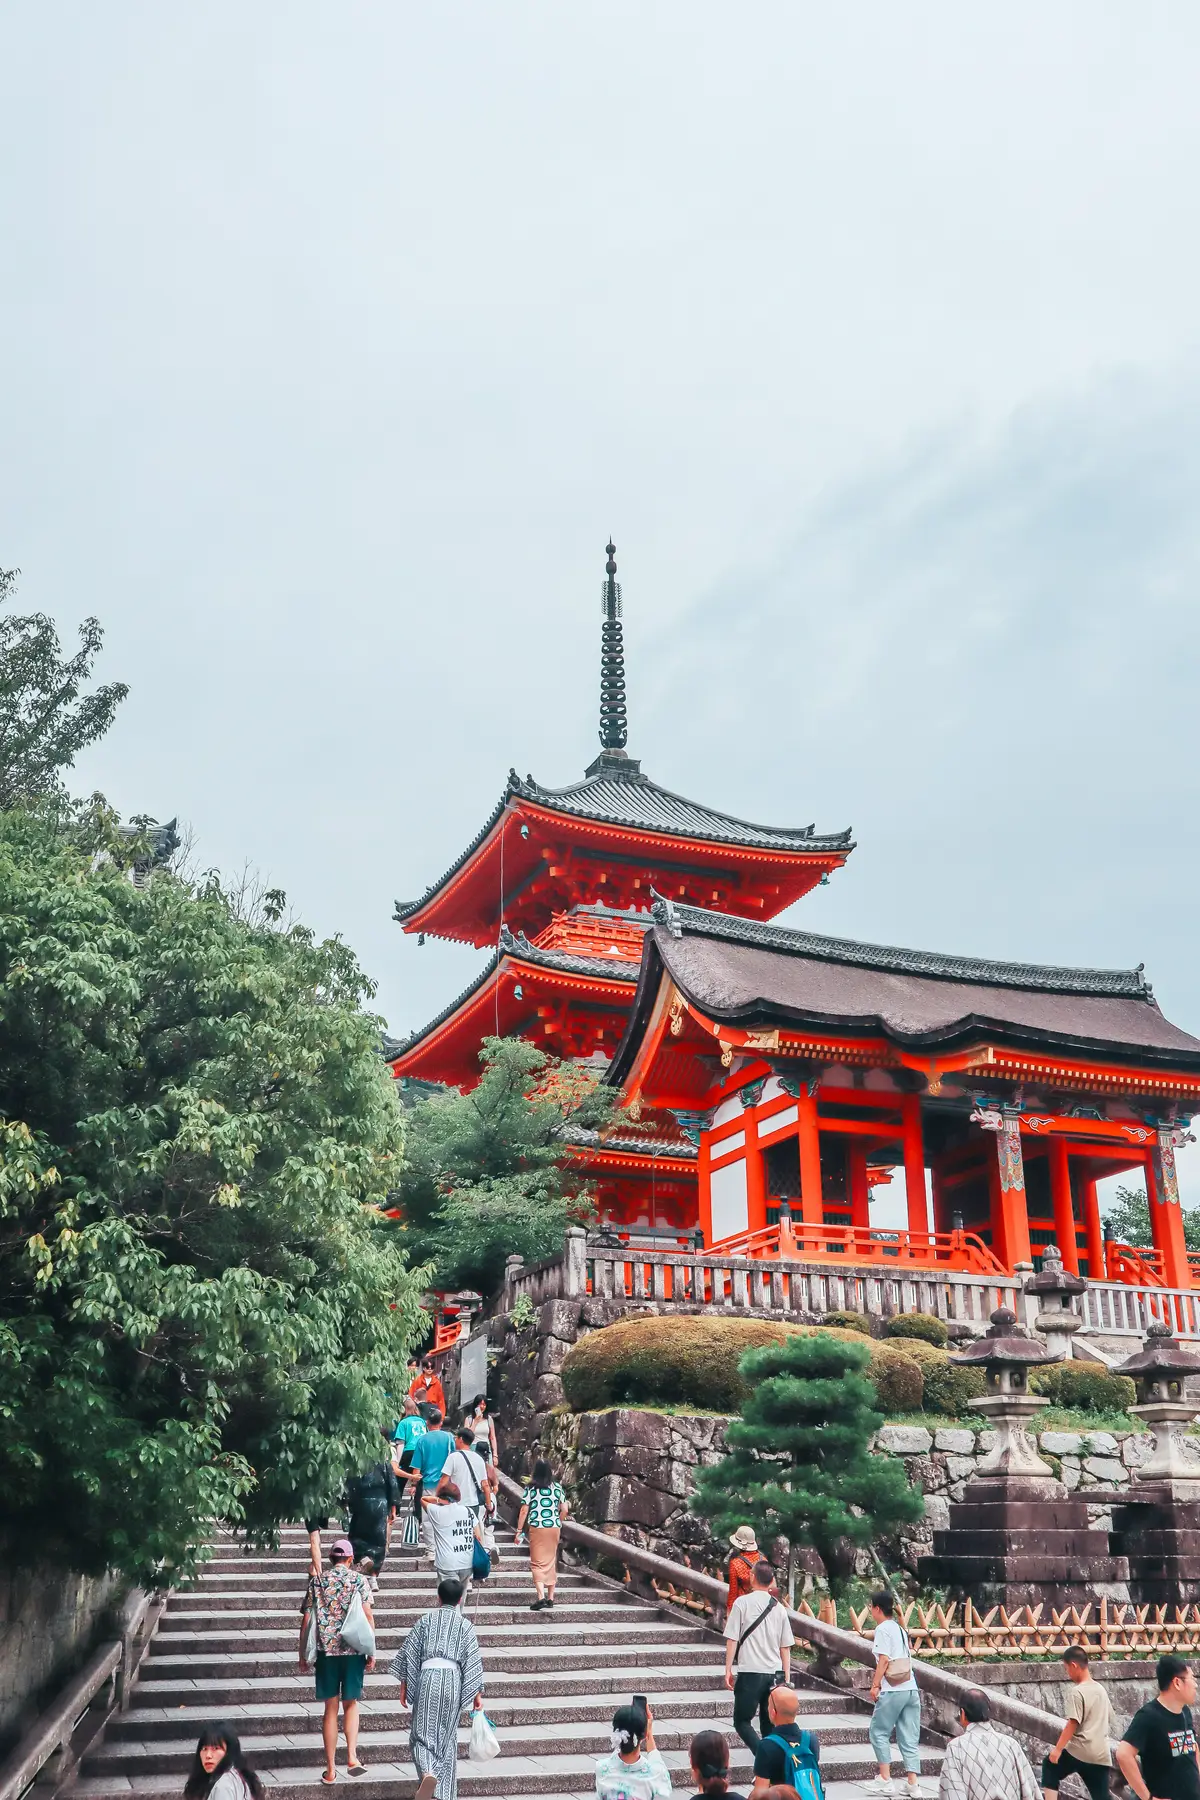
x=614 y=728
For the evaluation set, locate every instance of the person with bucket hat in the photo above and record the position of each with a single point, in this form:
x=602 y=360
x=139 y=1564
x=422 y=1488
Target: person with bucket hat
x=746 y=1554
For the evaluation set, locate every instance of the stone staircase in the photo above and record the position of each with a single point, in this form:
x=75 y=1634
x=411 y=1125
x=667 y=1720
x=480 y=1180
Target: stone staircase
x=225 y=1650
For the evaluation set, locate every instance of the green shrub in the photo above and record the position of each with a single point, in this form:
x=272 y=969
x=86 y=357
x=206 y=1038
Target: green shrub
x=897 y=1380
x=1084 y=1387
x=848 y=1321
x=922 y=1326
x=949 y=1387
x=693 y=1361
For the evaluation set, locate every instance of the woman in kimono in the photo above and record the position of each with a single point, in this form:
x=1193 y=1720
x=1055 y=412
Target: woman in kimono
x=437 y=1665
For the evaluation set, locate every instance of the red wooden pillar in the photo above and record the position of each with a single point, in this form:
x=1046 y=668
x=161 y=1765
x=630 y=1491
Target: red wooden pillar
x=941 y=1212
x=1166 y=1219
x=1010 y=1211
x=1064 y=1212
x=860 y=1196
x=756 y=1174
x=812 y=1205
x=1095 y=1230
x=914 y=1164
x=704 y=1188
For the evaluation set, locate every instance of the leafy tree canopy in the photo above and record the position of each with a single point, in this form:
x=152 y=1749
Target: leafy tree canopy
x=45 y=717
x=1128 y=1220
x=487 y=1174
x=201 y=1308
x=798 y=1464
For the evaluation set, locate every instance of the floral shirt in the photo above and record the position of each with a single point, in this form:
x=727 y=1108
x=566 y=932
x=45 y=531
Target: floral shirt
x=331 y=1594
x=646 y=1779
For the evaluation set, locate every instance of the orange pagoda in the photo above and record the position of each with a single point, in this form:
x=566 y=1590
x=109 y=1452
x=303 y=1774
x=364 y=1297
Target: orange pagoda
x=558 y=883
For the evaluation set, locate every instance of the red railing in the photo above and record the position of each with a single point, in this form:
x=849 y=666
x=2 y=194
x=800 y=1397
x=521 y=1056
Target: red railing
x=1136 y=1268
x=856 y=1245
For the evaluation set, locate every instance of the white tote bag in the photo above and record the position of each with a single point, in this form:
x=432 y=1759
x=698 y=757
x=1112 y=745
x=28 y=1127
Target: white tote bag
x=356 y=1633
x=484 y=1744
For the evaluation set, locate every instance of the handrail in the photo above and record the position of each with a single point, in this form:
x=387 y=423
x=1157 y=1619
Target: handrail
x=846 y=1645
x=795 y=1240
x=52 y=1733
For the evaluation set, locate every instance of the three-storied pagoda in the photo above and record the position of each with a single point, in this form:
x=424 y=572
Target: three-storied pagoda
x=771 y=1077
x=559 y=883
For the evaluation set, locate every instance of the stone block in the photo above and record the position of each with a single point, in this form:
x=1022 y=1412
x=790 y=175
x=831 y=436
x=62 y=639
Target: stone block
x=1102 y=1443
x=547 y=1392
x=1136 y=1449
x=633 y=1460
x=595 y=1314
x=619 y=1501
x=987 y=1441
x=1071 y=1477
x=954 y=1439
x=905 y=1440
x=701 y=1433
x=552 y=1354
x=1105 y=1468
x=1061 y=1443
x=560 y=1319
x=937 y=1512
x=960 y=1468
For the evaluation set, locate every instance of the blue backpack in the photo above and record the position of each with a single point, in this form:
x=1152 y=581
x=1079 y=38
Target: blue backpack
x=803 y=1770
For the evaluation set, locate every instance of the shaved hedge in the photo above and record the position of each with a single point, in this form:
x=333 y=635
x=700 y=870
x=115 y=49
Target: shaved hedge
x=692 y=1360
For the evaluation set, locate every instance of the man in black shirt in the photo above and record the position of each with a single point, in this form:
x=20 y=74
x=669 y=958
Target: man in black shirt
x=772 y=1765
x=1162 y=1739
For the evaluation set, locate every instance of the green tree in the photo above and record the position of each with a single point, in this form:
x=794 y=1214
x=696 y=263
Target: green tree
x=1128 y=1220
x=797 y=1462
x=202 y=1309
x=45 y=718
x=489 y=1174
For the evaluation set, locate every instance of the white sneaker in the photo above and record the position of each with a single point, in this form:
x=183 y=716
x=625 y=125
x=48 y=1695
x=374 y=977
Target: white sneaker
x=877 y=1785
x=923 y=1790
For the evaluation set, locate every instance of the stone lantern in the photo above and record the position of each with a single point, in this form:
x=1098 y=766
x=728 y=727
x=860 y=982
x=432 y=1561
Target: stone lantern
x=1017 y=1538
x=1006 y=1355
x=1159 y=1370
x=1156 y=1524
x=1054 y=1289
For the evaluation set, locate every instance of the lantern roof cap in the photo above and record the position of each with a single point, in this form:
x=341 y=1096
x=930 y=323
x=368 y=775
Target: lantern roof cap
x=1006 y=1344
x=1161 y=1354
x=1053 y=1277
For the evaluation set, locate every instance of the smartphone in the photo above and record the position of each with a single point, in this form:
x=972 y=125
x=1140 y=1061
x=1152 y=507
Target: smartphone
x=640 y=1704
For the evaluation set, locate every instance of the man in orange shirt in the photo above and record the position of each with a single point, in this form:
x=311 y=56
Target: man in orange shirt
x=427 y=1390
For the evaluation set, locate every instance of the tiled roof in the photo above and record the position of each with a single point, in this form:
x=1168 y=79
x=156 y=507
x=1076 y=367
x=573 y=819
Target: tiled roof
x=632 y=1144
x=1125 y=983
x=619 y=794
x=599 y=968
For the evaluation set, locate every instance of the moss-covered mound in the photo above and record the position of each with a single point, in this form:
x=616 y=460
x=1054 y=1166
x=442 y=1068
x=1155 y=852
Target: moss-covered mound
x=692 y=1360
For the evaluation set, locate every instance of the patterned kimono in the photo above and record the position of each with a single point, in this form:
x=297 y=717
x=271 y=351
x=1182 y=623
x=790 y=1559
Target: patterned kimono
x=437 y=1695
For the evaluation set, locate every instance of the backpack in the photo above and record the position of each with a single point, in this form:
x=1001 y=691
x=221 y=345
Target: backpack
x=803 y=1771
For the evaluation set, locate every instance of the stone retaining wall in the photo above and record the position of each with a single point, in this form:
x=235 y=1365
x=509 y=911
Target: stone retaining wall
x=50 y=1619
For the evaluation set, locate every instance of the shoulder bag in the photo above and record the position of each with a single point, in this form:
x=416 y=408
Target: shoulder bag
x=356 y=1632
x=899 y=1668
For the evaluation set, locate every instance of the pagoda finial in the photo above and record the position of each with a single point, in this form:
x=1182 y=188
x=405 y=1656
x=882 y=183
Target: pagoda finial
x=614 y=729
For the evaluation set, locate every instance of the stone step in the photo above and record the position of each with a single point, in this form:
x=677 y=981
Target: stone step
x=170 y=1704
x=187 y=1612
x=396 y=1782
x=198 y=1670
x=553 y=1749
x=635 y=1630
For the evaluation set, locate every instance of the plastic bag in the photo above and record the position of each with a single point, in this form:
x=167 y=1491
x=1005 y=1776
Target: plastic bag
x=356 y=1633
x=310 y=1636
x=484 y=1744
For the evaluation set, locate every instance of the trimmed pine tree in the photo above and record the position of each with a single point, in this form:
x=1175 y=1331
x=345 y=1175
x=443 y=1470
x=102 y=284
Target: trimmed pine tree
x=797 y=1462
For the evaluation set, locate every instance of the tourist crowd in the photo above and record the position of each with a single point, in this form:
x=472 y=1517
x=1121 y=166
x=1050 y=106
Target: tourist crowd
x=442 y=1485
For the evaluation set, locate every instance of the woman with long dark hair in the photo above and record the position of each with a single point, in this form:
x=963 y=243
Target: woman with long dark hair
x=219 y=1771
x=709 y=1757
x=543 y=1507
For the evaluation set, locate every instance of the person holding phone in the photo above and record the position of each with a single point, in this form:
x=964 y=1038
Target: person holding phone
x=635 y=1770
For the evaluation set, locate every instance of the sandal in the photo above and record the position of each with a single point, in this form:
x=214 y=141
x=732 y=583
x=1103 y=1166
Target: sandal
x=327 y=1779
x=356 y=1768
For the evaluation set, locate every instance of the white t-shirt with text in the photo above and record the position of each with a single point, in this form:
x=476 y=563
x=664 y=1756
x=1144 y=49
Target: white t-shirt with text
x=452 y=1529
x=760 y=1654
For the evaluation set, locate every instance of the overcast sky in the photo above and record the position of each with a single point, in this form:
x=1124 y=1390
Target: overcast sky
x=336 y=341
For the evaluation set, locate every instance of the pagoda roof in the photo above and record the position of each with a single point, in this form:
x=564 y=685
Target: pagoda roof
x=617 y=799
x=514 y=948
x=744 y=973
